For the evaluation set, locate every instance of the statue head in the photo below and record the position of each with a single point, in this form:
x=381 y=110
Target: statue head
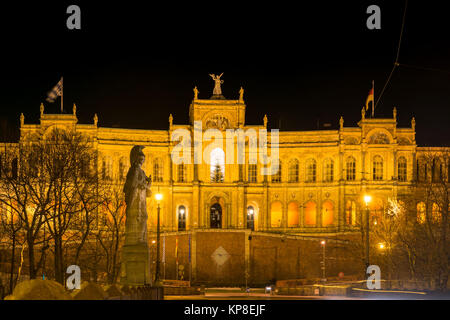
x=137 y=157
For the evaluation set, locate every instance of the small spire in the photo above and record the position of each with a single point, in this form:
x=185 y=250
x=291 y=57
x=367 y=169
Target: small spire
x=264 y=119
x=74 y=109
x=413 y=123
x=363 y=113
x=95 y=119
x=170 y=121
x=42 y=109
x=394 y=113
x=22 y=119
x=341 y=122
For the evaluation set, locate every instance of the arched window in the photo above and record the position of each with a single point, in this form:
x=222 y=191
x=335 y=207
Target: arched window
x=252 y=172
x=217 y=165
x=328 y=170
x=277 y=176
x=311 y=170
x=157 y=170
x=293 y=214
x=435 y=213
x=310 y=213
x=181 y=218
x=377 y=168
x=402 y=169
x=293 y=170
x=276 y=214
x=376 y=208
x=327 y=213
x=251 y=218
x=350 y=169
x=350 y=213
x=421 y=212
x=181 y=172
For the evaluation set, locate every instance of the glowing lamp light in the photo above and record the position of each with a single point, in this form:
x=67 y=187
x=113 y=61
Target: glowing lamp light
x=381 y=246
x=322 y=242
x=159 y=196
x=182 y=211
x=250 y=210
x=153 y=241
x=367 y=199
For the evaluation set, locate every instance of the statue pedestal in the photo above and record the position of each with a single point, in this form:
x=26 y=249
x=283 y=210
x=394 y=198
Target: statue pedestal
x=135 y=265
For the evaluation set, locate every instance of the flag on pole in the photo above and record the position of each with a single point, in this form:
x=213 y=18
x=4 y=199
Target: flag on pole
x=55 y=92
x=176 y=248
x=189 y=248
x=369 y=99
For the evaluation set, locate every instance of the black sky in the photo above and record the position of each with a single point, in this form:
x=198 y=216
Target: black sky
x=302 y=64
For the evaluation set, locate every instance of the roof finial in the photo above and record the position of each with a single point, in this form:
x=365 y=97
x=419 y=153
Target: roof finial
x=341 y=122
x=74 y=109
x=42 y=109
x=195 y=93
x=22 y=119
x=394 y=112
x=241 y=94
x=171 y=121
x=264 y=119
x=95 y=119
x=363 y=113
x=413 y=123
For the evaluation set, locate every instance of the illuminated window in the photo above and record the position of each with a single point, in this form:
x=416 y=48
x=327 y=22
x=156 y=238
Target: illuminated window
x=310 y=213
x=293 y=170
x=376 y=208
x=181 y=218
x=251 y=218
x=377 y=168
x=328 y=167
x=157 y=170
x=402 y=169
x=350 y=213
x=277 y=176
x=435 y=213
x=350 y=169
x=276 y=213
x=182 y=172
x=293 y=214
x=252 y=171
x=421 y=212
x=217 y=165
x=327 y=213
x=311 y=170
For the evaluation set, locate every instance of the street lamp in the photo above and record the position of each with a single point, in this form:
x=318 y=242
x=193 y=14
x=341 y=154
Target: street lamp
x=158 y=198
x=323 y=243
x=367 y=199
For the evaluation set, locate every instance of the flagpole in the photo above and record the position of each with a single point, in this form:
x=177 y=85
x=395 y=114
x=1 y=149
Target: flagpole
x=62 y=94
x=373 y=101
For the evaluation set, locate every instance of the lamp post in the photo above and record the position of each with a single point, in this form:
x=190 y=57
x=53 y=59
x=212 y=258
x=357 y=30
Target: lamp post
x=158 y=198
x=323 y=243
x=367 y=200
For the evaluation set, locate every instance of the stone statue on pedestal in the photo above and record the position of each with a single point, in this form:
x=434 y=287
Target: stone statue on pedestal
x=135 y=265
x=136 y=189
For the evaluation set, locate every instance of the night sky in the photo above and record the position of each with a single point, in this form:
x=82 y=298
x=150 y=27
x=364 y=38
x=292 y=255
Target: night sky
x=303 y=65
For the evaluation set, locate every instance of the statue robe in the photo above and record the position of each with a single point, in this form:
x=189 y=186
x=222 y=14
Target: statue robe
x=136 y=191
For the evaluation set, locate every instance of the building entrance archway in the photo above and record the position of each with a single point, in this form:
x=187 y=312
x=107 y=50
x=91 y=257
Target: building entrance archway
x=216 y=216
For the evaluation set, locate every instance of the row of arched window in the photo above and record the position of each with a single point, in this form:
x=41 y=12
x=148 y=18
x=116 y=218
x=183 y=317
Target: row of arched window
x=328 y=170
x=435 y=217
x=311 y=217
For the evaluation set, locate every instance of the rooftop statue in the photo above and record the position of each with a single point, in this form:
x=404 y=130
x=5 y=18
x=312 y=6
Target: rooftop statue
x=217 y=82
